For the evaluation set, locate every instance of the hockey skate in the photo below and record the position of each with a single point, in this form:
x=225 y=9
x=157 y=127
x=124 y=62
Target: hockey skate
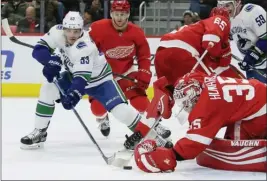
x=104 y=125
x=34 y=140
x=163 y=131
x=136 y=137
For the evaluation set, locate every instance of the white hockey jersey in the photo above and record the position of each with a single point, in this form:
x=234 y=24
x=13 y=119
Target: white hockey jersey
x=82 y=58
x=248 y=26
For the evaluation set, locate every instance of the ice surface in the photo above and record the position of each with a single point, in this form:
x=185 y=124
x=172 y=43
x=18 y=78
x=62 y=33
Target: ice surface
x=70 y=154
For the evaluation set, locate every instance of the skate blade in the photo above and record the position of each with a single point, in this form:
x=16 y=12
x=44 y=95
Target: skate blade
x=32 y=147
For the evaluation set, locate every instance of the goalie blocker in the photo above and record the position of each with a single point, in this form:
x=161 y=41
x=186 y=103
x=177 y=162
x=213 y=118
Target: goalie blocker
x=236 y=155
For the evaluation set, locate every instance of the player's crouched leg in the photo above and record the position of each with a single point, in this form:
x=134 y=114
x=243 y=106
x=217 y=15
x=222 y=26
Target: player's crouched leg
x=244 y=148
x=235 y=155
x=44 y=111
x=113 y=99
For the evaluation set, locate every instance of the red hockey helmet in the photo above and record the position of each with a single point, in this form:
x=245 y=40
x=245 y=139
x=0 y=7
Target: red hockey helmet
x=120 y=5
x=222 y=11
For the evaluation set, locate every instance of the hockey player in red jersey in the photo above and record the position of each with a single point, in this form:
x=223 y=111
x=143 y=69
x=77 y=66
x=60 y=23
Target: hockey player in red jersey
x=212 y=103
x=176 y=53
x=121 y=41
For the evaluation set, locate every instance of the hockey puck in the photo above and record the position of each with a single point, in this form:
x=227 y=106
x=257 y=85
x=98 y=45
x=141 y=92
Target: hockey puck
x=127 y=167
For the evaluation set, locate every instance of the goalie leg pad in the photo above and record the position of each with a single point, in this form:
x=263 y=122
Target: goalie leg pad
x=235 y=155
x=255 y=128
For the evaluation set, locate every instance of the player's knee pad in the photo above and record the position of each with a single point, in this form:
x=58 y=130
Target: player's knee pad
x=126 y=114
x=49 y=93
x=140 y=103
x=97 y=108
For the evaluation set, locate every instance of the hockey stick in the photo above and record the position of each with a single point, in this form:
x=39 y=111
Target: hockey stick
x=258 y=72
x=12 y=38
x=10 y=35
x=112 y=160
x=125 y=77
x=108 y=160
x=199 y=60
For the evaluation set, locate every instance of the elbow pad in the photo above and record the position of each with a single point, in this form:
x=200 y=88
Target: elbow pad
x=41 y=54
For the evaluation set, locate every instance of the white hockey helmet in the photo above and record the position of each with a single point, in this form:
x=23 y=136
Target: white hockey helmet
x=236 y=3
x=73 y=20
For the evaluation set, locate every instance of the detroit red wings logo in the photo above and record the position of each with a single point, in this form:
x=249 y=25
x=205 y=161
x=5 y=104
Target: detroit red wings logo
x=120 y=52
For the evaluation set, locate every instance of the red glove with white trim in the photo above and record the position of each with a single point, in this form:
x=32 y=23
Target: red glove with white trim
x=162 y=102
x=152 y=159
x=143 y=77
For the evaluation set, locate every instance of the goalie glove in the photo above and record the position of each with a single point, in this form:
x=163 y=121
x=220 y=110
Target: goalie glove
x=152 y=159
x=162 y=102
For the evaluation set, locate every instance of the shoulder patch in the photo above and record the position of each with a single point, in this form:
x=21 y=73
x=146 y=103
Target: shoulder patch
x=249 y=7
x=81 y=45
x=59 y=27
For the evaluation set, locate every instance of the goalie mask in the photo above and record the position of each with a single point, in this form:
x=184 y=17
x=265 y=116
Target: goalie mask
x=186 y=93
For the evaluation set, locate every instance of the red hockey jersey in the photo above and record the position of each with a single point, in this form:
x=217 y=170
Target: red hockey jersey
x=222 y=102
x=196 y=37
x=120 y=48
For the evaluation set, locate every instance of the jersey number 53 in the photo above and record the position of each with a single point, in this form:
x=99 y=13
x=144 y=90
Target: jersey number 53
x=230 y=84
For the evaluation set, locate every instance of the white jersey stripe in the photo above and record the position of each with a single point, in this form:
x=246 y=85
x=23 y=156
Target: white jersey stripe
x=199 y=138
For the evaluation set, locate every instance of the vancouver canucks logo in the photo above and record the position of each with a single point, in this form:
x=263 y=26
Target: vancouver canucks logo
x=243 y=44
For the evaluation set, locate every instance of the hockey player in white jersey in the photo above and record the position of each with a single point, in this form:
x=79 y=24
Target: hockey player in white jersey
x=248 y=30
x=87 y=72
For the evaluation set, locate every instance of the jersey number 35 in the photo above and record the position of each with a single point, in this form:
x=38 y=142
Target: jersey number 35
x=240 y=89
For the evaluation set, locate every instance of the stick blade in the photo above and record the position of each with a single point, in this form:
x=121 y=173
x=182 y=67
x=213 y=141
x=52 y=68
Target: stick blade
x=120 y=162
x=122 y=158
x=117 y=162
x=6 y=28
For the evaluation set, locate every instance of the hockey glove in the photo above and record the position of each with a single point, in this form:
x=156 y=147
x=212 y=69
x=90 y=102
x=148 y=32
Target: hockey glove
x=143 y=78
x=254 y=58
x=152 y=159
x=162 y=102
x=74 y=93
x=52 y=68
x=71 y=99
